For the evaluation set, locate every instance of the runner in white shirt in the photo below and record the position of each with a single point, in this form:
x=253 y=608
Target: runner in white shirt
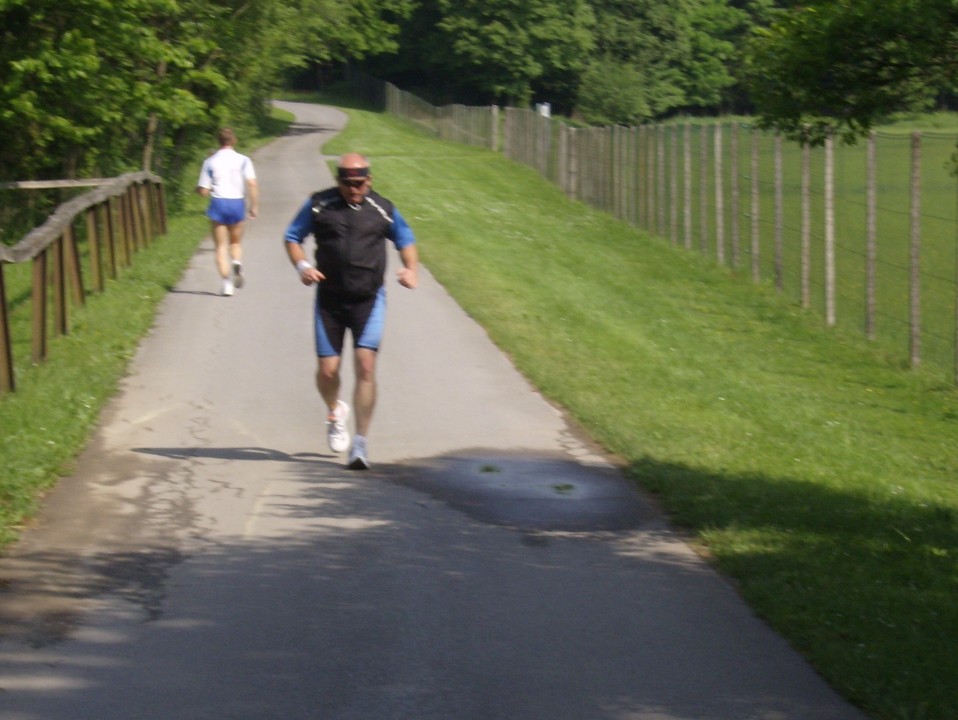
x=229 y=180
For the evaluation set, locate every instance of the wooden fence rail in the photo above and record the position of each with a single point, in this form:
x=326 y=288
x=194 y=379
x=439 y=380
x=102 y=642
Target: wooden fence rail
x=119 y=217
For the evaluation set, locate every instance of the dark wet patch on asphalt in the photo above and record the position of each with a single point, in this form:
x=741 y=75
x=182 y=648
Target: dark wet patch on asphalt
x=531 y=491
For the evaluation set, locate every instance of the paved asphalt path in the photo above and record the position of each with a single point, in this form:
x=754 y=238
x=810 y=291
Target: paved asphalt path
x=210 y=559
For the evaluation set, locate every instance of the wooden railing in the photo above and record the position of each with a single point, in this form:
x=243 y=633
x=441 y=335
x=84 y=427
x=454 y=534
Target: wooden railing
x=120 y=216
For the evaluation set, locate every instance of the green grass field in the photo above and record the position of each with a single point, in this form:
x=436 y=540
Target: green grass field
x=811 y=469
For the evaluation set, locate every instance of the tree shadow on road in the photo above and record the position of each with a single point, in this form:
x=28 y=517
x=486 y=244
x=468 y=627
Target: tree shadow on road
x=413 y=590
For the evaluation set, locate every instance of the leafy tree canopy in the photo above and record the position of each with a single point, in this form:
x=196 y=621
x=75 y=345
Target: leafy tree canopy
x=91 y=87
x=674 y=54
x=504 y=46
x=842 y=66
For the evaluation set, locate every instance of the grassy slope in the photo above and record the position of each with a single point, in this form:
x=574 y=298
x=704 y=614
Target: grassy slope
x=818 y=475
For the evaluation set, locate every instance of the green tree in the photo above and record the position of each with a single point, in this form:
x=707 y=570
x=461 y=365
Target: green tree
x=613 y=92
x=83 y=81
x=105 y=86
x=504 y=46
x=329 y=33
x=840 y=67
x=674 y=55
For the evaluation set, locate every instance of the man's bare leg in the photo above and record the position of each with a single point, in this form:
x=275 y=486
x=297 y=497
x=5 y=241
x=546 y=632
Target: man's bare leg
x=236 y=253
x=236 y=240
x=327 y=380
x=337 y=413
x=364 y=395
x=221 y=242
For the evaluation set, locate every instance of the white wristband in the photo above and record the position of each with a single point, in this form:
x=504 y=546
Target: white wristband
x=302 y=266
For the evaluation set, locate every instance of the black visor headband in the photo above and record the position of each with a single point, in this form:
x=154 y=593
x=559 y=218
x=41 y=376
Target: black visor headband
x=344 y=173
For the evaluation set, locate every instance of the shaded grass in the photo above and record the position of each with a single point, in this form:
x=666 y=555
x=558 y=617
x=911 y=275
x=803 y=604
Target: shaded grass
x=813 y=471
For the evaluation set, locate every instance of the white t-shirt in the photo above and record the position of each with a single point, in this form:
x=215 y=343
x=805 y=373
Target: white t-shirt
x=225 y=172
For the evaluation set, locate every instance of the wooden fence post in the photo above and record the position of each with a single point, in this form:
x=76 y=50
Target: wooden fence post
x=719 y=198
x=60 y=322
x=71 y=256
x=7 y=383
x=687 y=195
x=914 y=254
x=634 y=175
x=118 y=249
x=703 y=189
x=755 y=211
x=39 y=304
x=642 y=181
x=143 y=202
x=829 y=230
x=562 y=160
x=779 y=216
x=806 y=249
x=543 y=127
x=635 y=183
x=574 y=141
x=674 y=186
x=136 y=214
x=628 y=175
x=129 y=231
x=608 y=170
x=651 y=179
x=662 y=178
x=615 y=171
x=129 y=228
x=161 y=199
x=108 y=251
x=871 y=235
x=123 y=230
x=734 y=191
x=96 y=247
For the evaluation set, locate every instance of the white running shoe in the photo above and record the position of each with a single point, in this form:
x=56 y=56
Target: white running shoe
x=237 y=274
x=358 y=459
x=227 y=288
x=336 y=432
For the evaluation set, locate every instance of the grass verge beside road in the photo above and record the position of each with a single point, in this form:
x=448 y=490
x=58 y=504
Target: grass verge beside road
x=817 y=474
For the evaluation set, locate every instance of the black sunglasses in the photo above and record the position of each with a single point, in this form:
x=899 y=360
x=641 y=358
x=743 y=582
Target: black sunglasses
x=353 y=183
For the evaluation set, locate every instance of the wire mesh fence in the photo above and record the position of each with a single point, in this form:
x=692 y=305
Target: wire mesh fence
x=865 y=235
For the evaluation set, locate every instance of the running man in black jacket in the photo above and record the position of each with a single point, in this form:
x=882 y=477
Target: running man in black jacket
x=350 y=224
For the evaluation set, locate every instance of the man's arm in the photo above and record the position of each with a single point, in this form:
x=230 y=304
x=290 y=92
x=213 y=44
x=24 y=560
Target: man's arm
x=409 y=273
x=405 y=241
x=295 y=234
x=204 y=183
x=252 y=197
x=307 y=273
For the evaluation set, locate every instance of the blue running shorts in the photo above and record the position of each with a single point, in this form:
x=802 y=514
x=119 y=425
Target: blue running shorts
x=365 y=319
x=226 y=211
